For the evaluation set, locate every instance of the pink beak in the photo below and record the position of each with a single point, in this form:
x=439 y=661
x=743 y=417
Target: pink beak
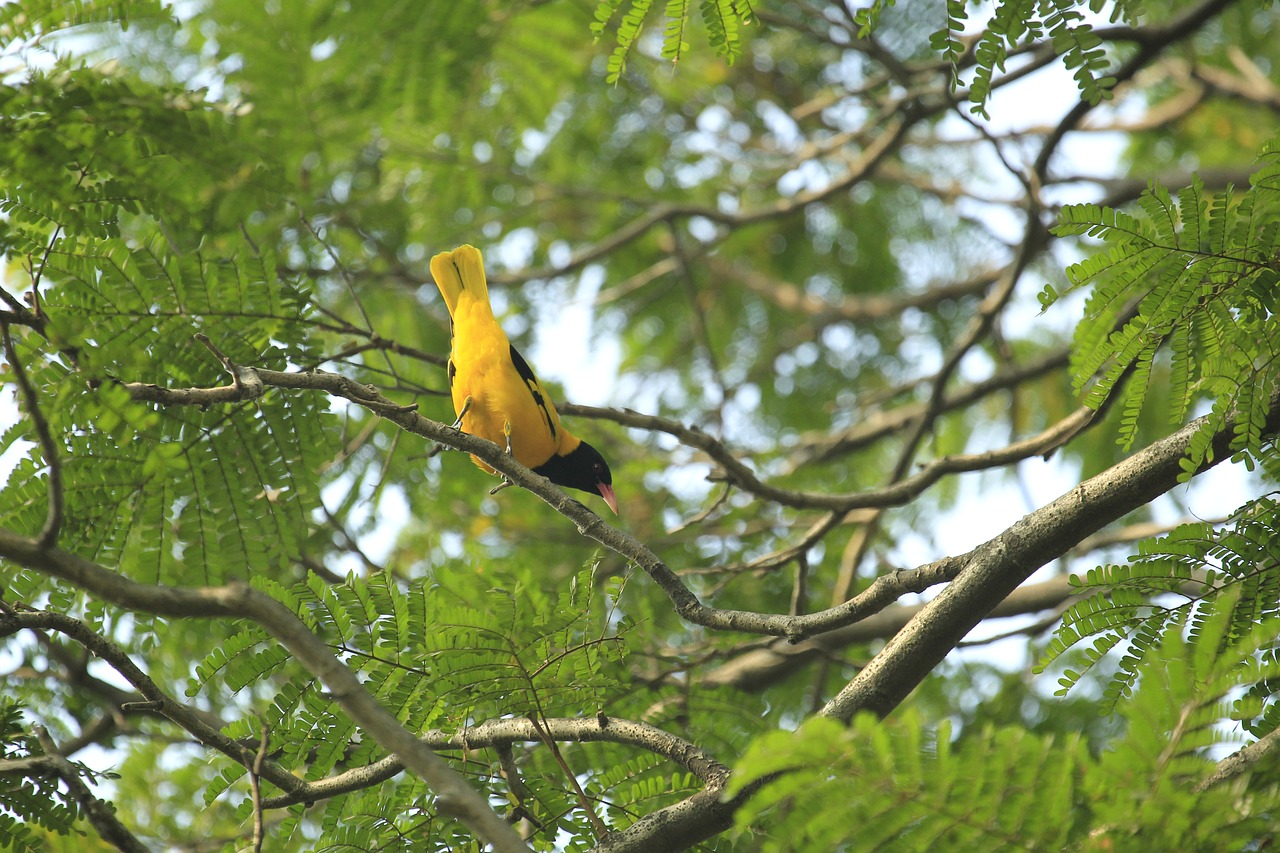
x=606 y=492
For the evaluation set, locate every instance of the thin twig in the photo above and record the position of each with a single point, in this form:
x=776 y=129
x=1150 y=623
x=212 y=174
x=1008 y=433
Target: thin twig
x=898 y=492
x=53 y=518
x=894 y=127
x=583 y=802
x=519 y=790
x=800 y=588
x=507 y=731
x=703 y=514
x=255 y=787
x=348 y=282
x=701 y=332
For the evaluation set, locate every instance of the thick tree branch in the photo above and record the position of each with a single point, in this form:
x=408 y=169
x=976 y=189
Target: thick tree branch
x=993 y=570
x=762 y=668
x=1242 y=761
x=679 y=826
x=883 y=592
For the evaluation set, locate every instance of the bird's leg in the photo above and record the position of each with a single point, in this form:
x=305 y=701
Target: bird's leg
x=456 y=426
x=506 y=431
x=466 y=407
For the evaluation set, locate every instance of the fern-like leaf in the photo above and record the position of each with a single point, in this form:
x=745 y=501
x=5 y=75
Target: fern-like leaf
x=1179 y=577
x=1191 y=274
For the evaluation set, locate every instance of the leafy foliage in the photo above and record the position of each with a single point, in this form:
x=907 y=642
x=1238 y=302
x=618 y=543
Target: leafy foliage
x=1196 y=569
x=723 y=20
x=1017 y=23
x=133 y=281
x=947 y=41
x=440 y=662
x=900 y=785
x=29 y=804
x=903 y=785
x=145 y=490
x=1198 y=274
x=31 y=21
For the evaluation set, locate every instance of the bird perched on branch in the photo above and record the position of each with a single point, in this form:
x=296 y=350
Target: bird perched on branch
x=496 y=394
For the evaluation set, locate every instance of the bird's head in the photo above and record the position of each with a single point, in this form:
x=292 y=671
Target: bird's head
x=582 y=468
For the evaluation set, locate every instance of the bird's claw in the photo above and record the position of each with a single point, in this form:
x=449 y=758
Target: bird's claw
x=505 y=484
x=466 y=407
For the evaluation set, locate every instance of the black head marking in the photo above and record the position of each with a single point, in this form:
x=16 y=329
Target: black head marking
x=583 y=469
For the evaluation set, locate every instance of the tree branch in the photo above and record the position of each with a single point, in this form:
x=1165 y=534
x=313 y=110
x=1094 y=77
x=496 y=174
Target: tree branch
x=895 y=494
x=53 y=519
x=505 y=732
x=991 y=573
x=901 y=120
x=882 y=423
x=204 y=725
x=879 y=595
x=1152 y=43
x=99 y=812
x=1241 y=761
x=855 y=308
x=158 y=702
x=238 y=600
x=761 y=668
x=679 y=826
x=993 y=570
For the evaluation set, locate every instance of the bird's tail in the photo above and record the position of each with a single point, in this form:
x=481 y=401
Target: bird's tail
x=460 y=272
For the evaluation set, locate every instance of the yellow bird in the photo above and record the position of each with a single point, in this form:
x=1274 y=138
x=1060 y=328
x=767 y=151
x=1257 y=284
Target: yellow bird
x=495 y=393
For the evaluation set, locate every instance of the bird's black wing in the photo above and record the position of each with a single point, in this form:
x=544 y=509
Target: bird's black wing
x=453 y=368
x=534 y=386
